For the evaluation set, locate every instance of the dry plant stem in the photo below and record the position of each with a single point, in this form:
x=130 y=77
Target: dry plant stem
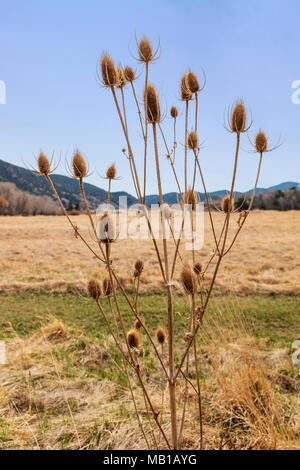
x=130 y=153
x=177 y=249
x=109 y=188
x=138 y=108
x=174 y=144
x=186 y=145
x=114 y=317
x=196 y=112
x=172 y=162
x=146 y=134
x=172 y=390
x=124 y=109
x=197 y=372
x=70 y=221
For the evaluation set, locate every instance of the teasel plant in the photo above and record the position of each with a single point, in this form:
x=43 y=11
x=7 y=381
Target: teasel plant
x=164 y=426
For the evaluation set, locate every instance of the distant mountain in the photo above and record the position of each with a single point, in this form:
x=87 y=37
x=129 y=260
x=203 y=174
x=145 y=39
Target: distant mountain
x=67 y=188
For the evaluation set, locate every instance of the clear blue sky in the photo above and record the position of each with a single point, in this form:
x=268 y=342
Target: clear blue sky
x=249 y=49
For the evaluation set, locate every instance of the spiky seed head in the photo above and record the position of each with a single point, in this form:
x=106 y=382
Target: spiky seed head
x=111 y=172
x=192 y=82
x=137 y=324
x=186 y=94
x=145 y=50
x=139 y=267
x=107 y=286
x=188 y=281
x=197 y=268
x=174 y=112
x=106 y=229
x=94 y=289
x=109 y=72
x=191 y=198
x=151 y=101
x=261 y=142
x=121 y=78
x=79 y=165
x=238 y=117
x=129 y=74
x=227 y=204
x=43 y=164
x=161 y=335
x=133 y=339
x=193 y=140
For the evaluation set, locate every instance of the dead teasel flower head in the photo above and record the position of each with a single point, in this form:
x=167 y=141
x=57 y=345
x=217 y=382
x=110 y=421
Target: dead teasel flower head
x=238 y=118
x=174 y=112
x=94 y=289
x=139 y=268
x=106 y=229
x=43 y=164
x=193 y=82
x=121 y=78
x=152 y=106
x=197 y=268
x=193 y=140
x=191 y=198
x=161 y=335
x=108 y=71
x=137 y=324
x=227 y=204
x=188 y=281
x=186 y=94
x=107 y=287
x=129 y=74
x=133 y=339
x=261 y=142
x=145 y=51
x=111 y=172
x=79 y=165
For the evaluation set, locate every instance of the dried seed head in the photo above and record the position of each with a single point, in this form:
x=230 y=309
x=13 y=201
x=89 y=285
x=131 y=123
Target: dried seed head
x=107 y=287
x=186 y=94
x=191 y=198
x=174 y=112
x=188 y=281
x=43 y=164
x=137 y=324
x=121 y=78
x=145 y=51
x=129 y=74
x=94 y=289
x=106 y=229
x=111 y=172
x=238 y=118
x=139 y=267
x=133 y=339
x=79 y=165
x=197 y=268
x=193 y=140
x=261 y=142
x=227 y=204
x=109 y=72
x=192 y=82
x=161 y=335
x=152 y=101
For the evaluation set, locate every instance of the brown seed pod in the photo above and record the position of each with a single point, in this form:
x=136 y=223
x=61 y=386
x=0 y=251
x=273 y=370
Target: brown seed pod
x=106 y=229
x=109 y=72
x=107 y=287
x=43 y=164
x=186 y=94
x=261 y=142
x=227 y=204
x=133 y=339
x=139 y=266
x=192 y=82
x=94 y=289
x=145 y=50
x=174 y=112
x=191 y=198
x=121 y=78
x=193 y=140
x=153 y=106
x=238 y=118
x=129 y=74
x=137 y=324
x=111 y=172
x=188 y=281
x=197 y=268
x=161 y=335
x=79 y=165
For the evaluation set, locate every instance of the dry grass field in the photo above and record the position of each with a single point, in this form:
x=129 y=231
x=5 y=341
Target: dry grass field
x=41 y=253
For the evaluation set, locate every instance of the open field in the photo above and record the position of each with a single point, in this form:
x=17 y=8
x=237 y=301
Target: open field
x=41 y=253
